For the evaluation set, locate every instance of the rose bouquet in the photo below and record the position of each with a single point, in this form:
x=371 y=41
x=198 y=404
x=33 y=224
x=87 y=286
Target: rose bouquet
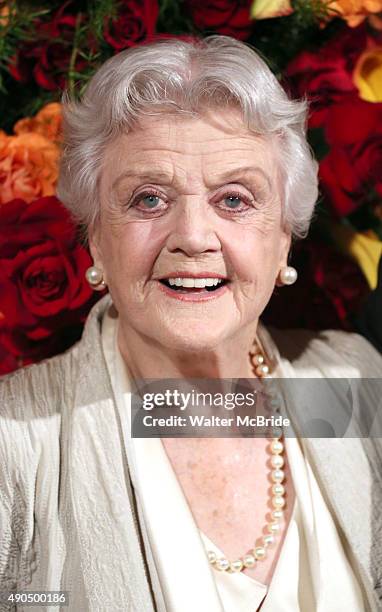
x=329 y=51
x=44 y=298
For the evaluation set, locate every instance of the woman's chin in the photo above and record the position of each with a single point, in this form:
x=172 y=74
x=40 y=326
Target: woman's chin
x=194 y=338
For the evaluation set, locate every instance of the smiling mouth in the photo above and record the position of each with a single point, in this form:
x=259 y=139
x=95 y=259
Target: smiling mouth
x=194 y=285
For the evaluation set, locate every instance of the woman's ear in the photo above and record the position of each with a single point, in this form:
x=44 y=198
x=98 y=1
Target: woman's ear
x=285 y=244
x=95 y=274
x=94 y=245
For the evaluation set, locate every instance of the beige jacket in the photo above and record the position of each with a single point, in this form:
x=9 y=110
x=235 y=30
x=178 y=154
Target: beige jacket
x=67 y=512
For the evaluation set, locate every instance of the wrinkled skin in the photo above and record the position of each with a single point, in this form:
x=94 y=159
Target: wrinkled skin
x=197 y=219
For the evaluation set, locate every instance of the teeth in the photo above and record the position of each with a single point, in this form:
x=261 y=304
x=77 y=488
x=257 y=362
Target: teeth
x=200 y=282
x=194 y=282
x=187 y=282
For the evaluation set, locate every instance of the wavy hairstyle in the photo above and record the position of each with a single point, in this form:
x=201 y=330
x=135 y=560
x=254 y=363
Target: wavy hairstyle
x=186 y=77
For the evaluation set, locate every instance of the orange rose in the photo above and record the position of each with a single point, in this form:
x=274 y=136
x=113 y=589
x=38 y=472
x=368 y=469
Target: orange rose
x=28 y=167
x=3 y=137
x=4 y=15
x=47 y=122
x=355 y=11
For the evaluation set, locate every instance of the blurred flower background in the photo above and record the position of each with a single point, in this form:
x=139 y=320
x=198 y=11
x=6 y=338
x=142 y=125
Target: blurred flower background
x=328 y=51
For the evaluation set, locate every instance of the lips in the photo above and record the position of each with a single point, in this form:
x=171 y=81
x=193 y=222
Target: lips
x=193 y=284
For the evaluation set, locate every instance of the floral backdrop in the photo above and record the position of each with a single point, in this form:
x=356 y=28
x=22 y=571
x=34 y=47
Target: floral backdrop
x=329 y=51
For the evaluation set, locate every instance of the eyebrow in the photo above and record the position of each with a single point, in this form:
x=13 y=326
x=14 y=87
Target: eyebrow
x=144 y=175
x=161 y=175
x=237 y=172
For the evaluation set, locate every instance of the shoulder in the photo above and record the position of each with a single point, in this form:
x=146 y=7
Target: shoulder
x=30 y=425
x=39 y=392
x=332 y=353
x=34 y=402
x=34 y=391
x=31 y=401
x=355 y=350
x=34 y=399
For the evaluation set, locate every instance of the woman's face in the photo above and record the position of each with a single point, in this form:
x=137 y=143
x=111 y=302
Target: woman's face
x=188 y=202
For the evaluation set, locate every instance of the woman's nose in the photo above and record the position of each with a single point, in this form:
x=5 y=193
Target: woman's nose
x=193 y=230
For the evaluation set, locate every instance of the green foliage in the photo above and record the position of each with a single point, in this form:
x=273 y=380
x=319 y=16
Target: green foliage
x=19 y=28
x=97 y=12
x=280 y=40
x=16 y=27
x=312 y=12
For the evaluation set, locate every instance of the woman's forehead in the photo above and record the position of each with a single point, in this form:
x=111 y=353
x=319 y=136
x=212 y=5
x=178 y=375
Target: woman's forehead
x=220 y=145
x=224 y=126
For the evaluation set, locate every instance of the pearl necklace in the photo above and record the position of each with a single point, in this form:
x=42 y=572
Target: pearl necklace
x=276 y=447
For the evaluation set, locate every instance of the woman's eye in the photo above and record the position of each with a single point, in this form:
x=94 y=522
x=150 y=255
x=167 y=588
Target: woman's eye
x=150 y=201
x=146 y=202
x=233 y=201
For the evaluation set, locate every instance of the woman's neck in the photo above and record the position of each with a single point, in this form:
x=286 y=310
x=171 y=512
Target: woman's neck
x=147 y=359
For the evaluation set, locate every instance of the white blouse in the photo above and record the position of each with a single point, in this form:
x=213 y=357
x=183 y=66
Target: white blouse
x=312 y=574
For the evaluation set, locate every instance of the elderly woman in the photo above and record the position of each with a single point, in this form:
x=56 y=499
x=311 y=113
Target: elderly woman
x=188 y=165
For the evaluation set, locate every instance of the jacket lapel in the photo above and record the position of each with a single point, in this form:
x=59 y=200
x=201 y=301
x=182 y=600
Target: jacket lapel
x=345 y=477
x=108 y=541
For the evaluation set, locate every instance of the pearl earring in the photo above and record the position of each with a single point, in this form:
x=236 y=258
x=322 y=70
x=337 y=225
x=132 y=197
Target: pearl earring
x=288 y=275
x=94 y=276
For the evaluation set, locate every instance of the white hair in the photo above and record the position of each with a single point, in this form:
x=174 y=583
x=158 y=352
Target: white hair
x=185 y=77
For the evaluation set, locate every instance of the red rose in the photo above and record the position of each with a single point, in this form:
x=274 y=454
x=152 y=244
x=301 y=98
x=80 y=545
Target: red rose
x=135 y=22
x=352 y=170
x=229 y=17
x=43 y=292
x=325 y=76
x=48 y=57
